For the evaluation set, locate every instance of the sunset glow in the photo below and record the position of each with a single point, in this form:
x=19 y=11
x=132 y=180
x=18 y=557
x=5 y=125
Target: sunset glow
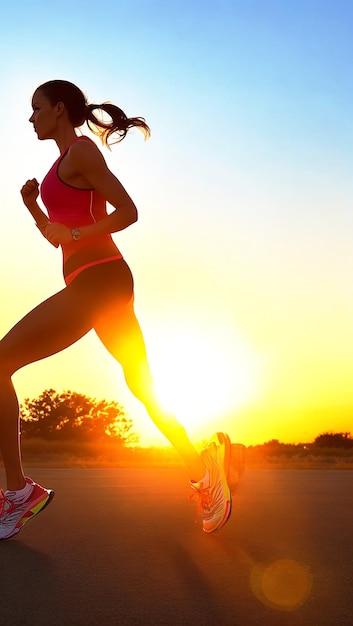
x=202 y=373
x=242 y=254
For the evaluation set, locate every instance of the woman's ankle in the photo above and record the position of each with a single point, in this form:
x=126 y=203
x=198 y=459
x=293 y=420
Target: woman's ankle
x=15 y=483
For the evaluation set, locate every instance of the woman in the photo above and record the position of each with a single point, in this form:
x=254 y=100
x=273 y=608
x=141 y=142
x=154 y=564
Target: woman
x=98 y=295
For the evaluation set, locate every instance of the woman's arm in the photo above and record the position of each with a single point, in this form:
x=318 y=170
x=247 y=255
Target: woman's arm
x=85 y=160
x=29 y=193
x=88 y=161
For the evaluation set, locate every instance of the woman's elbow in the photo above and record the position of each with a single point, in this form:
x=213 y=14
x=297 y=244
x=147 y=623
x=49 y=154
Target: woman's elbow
x=127 y=216
x=134 y=215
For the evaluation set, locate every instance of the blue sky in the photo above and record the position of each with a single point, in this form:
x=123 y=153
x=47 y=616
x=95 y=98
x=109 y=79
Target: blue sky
x=244 y=190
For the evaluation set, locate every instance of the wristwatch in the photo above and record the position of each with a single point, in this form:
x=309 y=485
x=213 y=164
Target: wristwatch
x=76 y=234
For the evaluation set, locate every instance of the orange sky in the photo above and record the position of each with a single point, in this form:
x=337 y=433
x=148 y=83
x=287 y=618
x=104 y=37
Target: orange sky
x=242 y=255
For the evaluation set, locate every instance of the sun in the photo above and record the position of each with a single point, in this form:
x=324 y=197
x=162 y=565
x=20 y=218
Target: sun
x=203 y=372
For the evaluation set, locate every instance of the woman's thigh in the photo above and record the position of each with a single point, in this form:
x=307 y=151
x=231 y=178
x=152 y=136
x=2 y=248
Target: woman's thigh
x=50 y=327
x=120 y=332
x=62 y=319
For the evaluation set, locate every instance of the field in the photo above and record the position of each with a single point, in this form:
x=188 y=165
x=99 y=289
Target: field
x=43 y=453
x=305 y=457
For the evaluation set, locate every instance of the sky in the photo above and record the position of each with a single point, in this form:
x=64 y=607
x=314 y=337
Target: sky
x=242 y=255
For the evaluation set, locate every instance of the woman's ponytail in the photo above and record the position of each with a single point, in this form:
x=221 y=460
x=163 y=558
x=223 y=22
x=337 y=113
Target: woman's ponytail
x=118 y=124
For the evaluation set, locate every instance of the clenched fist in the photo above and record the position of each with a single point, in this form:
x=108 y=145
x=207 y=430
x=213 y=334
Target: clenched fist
x=30 y=192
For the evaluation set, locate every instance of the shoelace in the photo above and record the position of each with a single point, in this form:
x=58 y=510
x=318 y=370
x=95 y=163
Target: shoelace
x=10 y=506
x=11 y=514
x=204 y=499
x=7 y=508
x=3 y=501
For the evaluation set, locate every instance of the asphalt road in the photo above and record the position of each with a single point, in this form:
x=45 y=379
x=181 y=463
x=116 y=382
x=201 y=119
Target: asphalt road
x=121 y=547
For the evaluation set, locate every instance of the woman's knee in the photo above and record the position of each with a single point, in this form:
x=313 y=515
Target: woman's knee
x=7 y=361
x=5 y=370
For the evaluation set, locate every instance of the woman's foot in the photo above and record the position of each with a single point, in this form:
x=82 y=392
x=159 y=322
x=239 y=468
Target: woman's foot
x=18 y=507
x=215 y=499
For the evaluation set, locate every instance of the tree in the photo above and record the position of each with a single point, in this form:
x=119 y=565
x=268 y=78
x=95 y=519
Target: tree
x=74 y=416
x=334 y=440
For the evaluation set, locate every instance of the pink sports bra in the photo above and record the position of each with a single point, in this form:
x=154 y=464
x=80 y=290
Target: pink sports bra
x=75 y=208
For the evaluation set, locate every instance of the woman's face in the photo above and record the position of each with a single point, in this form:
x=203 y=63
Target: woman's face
x=44 y=117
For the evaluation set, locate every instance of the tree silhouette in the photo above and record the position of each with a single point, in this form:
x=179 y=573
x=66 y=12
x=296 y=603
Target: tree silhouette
x=334 y=440
x=74 y=416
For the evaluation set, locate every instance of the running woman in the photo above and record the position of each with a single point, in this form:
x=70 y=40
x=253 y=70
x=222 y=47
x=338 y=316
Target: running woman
x=98 y=295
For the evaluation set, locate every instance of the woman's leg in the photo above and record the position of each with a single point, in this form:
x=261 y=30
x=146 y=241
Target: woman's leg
x=120 y=332
x=49 y=328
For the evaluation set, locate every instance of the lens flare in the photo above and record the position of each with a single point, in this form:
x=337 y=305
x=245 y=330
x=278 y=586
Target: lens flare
x=284 y=585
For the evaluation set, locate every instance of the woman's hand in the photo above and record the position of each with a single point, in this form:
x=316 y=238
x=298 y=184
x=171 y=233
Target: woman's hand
x=57 y=233
x=30 y=192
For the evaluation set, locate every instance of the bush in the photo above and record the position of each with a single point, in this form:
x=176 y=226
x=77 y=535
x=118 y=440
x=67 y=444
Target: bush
x=334 y=440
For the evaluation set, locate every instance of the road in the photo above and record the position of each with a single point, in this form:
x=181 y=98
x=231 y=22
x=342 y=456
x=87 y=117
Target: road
x=122 y=547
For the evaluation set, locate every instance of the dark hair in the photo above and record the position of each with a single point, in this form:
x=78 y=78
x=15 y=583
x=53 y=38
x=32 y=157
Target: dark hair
x=80 y=111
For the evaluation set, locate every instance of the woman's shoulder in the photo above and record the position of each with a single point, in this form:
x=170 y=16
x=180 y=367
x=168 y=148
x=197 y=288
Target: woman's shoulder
x=84 y=145
x=83 y=140
x=84 y=150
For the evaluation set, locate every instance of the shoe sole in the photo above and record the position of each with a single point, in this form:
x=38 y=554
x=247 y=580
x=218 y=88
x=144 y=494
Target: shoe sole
x=225 y=444
x=37 y=508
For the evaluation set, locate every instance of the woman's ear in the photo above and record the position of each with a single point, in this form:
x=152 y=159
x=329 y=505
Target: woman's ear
x=60 y=108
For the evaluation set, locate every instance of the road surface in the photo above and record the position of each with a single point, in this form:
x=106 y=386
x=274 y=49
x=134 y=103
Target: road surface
x=121 y=547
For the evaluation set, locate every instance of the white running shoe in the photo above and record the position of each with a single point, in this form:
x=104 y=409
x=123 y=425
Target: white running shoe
x=15 y=512
x=215 y=499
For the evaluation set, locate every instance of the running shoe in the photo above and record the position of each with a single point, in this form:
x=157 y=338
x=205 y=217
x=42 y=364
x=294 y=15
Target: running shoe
x=15 y=512
x=214 y=495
